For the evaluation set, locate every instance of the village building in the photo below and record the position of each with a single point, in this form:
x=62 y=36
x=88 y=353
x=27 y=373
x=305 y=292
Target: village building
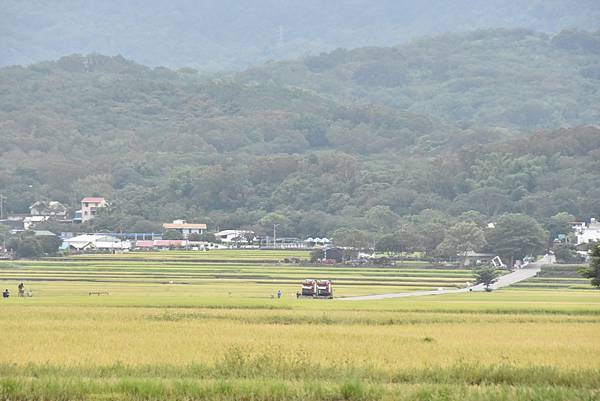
x=29 y=222
x=100 y=242
x=588 y=233
x=52 y=209
x=90 y=206
x=282 y=242
x=15 y=223
x=184 y=227
x=39 y=212
x=475 y=258
x=235 y=236
x=43 y=233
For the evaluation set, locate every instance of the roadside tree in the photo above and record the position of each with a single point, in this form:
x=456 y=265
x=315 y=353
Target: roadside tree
x=26 y=248
x=49 y=244
x=487 y=276
x=566 y=253
x=515 y=236
x=558 y=224
x=593 y=270
x=462 y=238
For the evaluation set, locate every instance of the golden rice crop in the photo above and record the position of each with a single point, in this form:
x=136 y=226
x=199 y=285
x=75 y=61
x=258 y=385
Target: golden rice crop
x=218 y=333
x=141 y=336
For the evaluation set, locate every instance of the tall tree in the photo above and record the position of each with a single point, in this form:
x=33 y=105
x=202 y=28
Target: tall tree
x=593 y=270
x=487 y=276
x=462 y=238
x=351 y=237
x=515 y=236
x=390 y=244
x=382 y=218
x=558 y=224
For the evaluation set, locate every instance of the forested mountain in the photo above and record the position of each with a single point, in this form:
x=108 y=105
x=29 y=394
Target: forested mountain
x=106 y=125
x=263 y=147
x=230 y=34
x=509 y=78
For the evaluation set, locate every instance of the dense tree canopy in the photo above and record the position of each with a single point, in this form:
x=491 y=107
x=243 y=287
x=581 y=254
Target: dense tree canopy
x=28 y=245
x=351 y=237
x=593 y=271
x=493 y=78
x=515 y=236
x=253 y=151
x=462 y=238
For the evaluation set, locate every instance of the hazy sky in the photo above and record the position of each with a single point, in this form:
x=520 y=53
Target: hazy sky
x=216 y=34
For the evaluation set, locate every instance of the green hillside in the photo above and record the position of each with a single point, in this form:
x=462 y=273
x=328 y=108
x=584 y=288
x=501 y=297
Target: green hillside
x=297 y=147
x=509 y=78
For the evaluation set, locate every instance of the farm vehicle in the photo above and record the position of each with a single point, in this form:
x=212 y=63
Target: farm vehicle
x=317 y=289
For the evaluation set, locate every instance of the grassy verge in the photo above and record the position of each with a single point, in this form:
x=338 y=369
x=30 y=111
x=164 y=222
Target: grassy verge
x=238 y=376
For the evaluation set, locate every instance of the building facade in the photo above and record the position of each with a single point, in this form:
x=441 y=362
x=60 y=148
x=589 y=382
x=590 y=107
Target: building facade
x=52 y=209
x=588 y=233
x=235 y=236
x=184 y=227
x=90 y=206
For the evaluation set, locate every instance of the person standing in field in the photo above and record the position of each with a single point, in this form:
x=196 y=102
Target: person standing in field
x=279 y=294
x=21 y=289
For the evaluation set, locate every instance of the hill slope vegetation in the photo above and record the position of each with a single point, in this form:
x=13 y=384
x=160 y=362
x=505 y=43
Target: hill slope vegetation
x=266 y=148
x=510 y=78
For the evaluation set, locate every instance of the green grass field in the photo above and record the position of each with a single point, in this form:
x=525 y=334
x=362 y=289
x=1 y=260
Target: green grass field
x=203 y=325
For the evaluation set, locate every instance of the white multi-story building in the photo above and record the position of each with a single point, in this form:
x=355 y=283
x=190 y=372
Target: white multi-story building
x=587 y=233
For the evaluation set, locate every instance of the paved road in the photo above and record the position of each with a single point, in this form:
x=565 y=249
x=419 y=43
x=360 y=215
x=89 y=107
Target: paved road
x=503 y=281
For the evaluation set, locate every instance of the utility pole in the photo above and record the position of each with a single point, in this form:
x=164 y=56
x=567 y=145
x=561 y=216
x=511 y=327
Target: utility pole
x=2 y=206
x=275 y=235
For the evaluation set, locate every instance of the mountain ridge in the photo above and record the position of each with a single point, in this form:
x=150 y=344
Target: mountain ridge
x=232 y=35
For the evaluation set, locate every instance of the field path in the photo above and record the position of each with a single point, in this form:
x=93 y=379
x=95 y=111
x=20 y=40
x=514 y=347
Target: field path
x=503 y=281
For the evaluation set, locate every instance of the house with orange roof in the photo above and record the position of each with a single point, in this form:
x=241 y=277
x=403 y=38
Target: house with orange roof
x=185 y=228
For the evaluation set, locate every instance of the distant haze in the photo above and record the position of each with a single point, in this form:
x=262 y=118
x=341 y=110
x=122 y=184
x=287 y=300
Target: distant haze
x=233 y=34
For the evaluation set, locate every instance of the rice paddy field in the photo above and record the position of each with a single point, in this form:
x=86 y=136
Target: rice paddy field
x=207 y=326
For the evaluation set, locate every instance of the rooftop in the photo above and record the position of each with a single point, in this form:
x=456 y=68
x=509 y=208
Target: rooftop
x=92 y=238
x=43 y=233
x=175 y=226
x=93 y=200
x=227 y=232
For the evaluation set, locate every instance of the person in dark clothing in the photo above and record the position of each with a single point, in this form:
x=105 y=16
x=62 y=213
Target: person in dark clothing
x=5 y=293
